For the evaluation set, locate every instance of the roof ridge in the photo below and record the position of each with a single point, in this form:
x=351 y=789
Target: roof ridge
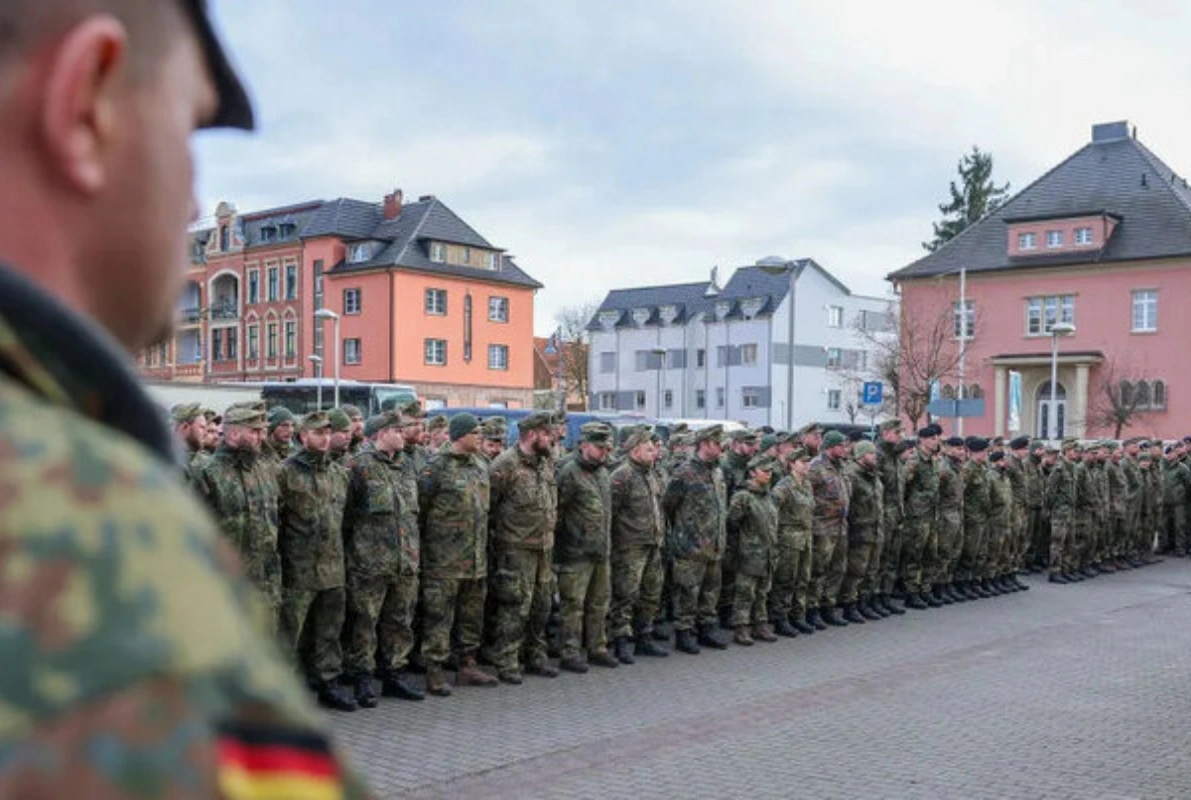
x=413 y=235
x=659 y=286
x=1154 y=161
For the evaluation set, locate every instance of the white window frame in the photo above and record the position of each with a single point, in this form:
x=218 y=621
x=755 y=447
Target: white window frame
x=700 y=399
x=253 y=341
x=607 y=401
x=359 y=252
x=1027 y=240
x=639 y=399
x=434 y=352
x=1054 y=239
x=291 y=269
x=667 y=398
x=438 y=252
x=834 y=399
x=1082 y=235
x=749 y=398
x=835 y=316
x=721 y=397
x=289 y=338
x=431 y=302
x=353 y=351
x=352 y=304
x=492 y=260
x=748 y=354
x=1047 y=310
x=498 y=356
x=273 y=284
x=254 y=297
x=968 y=320
x=498 y=308
x=835 y=357
x=1147 y=301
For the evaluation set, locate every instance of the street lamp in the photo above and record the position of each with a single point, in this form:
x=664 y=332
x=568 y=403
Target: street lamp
x=1056 y=330
x=317 y=361
x=791 y=269
x=661 y=354
x=326 y=313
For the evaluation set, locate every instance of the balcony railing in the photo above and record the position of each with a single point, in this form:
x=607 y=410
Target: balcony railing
x=226 y=310
x=190 y=316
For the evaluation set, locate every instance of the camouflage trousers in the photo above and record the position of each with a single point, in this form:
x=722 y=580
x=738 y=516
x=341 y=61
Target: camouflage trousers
x=971 y=551
x=829 y=567
x=313 y=620
x=447 y=602
x=860 y=556
x=521 y=589
x=1173 y=534
x=750 y=599
x=890 y=562
x=696 y=586
x=949 y=548
x=1039 y=546
x=584 y=594
x=918 y=553
x=995 y=540
x=636 y=589
x=1061 y=526
x=791 y=580
x=378 y=635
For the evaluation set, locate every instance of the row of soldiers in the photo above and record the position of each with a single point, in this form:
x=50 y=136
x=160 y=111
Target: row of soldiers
x=379 y=541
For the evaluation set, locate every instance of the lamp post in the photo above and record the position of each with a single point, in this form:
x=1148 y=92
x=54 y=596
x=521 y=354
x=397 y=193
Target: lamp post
x=790 y=269
x=1056 y=330
x=326 y=313
x=317 y=361
x=661 y=354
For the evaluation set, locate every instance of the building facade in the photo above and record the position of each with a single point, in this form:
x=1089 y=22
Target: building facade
x=1090 y=265
x=421 y=299
x=702 y=351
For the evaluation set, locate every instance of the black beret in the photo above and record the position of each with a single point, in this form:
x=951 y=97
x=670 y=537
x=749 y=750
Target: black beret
x=976 y=444
x=1019 y=443
x=996 y=456
x=927 y=432
x=955 y=441
x=855 y=436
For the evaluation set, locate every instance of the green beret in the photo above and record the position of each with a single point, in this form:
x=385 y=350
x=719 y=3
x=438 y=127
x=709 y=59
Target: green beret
x=461 y=425
x=596 y=433
x=352 y=412
x=833 y=438
x=315 y=421
x=764 y=462
x=279 y=415
x=340 y=421
x=863 y=449
x=436 y=422
x=798 y=454
x=713 y=433
x=380 y=422
x=769 y=440
x=891 y=425
x=245 y=416
x=536 y=421
x=186 y=412
x=744 y=436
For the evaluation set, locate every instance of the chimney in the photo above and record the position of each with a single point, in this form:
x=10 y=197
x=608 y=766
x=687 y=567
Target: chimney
x=393 y=204
x=1110 y=131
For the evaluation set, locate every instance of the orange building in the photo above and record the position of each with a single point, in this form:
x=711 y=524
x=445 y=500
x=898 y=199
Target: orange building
x=421 y=297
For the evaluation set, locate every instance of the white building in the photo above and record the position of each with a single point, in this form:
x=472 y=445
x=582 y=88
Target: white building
x=696 y=350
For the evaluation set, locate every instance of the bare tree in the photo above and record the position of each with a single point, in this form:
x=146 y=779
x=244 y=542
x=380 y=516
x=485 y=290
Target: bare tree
x=573 y=345
x=1120 y=399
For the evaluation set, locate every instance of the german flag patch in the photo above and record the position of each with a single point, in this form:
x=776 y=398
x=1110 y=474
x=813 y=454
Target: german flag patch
x=265 y=763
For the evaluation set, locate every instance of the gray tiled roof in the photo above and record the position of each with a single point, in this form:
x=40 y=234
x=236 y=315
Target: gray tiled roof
x=345 y=218
x=298 y=215
x=1101 y=177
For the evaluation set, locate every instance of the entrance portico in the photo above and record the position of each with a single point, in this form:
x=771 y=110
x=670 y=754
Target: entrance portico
x=1038 y=416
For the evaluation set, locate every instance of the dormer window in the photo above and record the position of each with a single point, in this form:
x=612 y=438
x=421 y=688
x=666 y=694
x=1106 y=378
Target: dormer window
x=286 y=229
x=1083 y=235
x=269 y=233
x=359 y=253
x=722 y=308
x=225 y=238
x=1054 y=238
x=608 y=319
x=751 y=307
x=1027 y=241
x=438 y=252
x=667 y=314
x=641 y=316
x=492 y=260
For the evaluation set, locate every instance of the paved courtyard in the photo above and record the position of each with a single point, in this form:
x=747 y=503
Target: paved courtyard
x=1080 y=691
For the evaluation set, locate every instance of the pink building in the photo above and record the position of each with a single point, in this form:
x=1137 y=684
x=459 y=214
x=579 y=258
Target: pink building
x=1101 y=242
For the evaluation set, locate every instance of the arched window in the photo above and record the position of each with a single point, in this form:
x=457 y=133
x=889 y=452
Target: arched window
x=1141 y=394
x=1158 y=399
x=948 y=392
x=975 y=392
x=1126 y=389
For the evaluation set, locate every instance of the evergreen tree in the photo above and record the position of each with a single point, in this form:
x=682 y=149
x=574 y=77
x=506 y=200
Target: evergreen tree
x=975 y=197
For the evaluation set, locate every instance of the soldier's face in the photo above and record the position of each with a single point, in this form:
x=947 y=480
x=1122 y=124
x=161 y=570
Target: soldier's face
x=283 y=433
x=869 y=459
x=814 y=440
x=800 y=467
x=979 y=457
x=240 y=438
x=931 y=444
x=341 y=440
x=357 y=429
x=316 y=441
x=1133 y=450
x=710 y=450
x=390 y=440
x=493 y=447
x=438 y=437
x=644 y=453
x=892 y=436
x=542 y=442
x=468 y=443
x=594 y=452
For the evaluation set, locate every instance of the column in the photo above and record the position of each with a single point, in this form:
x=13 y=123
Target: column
x=999 y=388
x=1079 y=411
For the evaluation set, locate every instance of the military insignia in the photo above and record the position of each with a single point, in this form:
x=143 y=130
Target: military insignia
x=257 y=762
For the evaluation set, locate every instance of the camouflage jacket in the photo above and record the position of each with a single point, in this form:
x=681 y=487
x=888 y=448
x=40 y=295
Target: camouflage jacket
x=1116 y=490
x=1176 y=481
x=795 y=504
x=1015 y=469
x=1035 y=482
x=453 y=493
x=951 y=492
x=977 y=496
x=584 y=512
x=240 y=488
x=524 y=500
x=1099 y=474
x=893 y=480
x=417 y=457
x=1000 y=505
x=752 y=527
x=831 y=495
x=735 y=469
x=128 y=621
x=922 y=486
x=1087 y=493
x=310 y=537
x=866 y=516
x=636 y=506
x=696 y=508
x=380 y=528
x=1061 y=496
x=1134 y=483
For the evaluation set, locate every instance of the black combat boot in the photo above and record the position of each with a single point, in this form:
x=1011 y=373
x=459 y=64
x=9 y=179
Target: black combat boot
x=852 y=614
x=646 y=646
x=984 y=588
x=830 y=616
x=684 y=642
x=1089 y=572
x=816 y=619
x=397 y=686
x=932 y=601
x=941 y=596
x=783 y=628
x=887 y=603
x=365 y=694
x=1057 y=577
x=1022 y=586
x=871 y=610
x=662 y=631
x=623 y=654
x=803 y=626
x=955 y=594
x=333 y=696
x=710 y=637
x=915 y=601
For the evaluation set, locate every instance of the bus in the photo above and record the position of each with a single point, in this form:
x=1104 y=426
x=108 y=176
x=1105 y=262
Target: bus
x=302 y=396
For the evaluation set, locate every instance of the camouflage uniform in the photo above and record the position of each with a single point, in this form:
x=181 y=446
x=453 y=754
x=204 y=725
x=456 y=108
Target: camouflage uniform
x=581 y=555
x=240 y=487
x=1061 y=500
x=1152 y=510
x=381 y=541
x=792 y=574
x=976 y=509
x=752 y=526
x=696 y=508
x=637 y=533
x=1099 y=531
x=919 y=544
x=950 y=524
x=128 y=621
x=893 y=481
x=1039 y=546
x=1117 y=503
x=453 y=496
x=313 y=491
x=1132 y=493
x=829 y=530
x=866 y=517
x=735 y=469
x=1000 y=510
x=1086 y=499
x=522 y=518
x=1176 y=488
x=1016 y=470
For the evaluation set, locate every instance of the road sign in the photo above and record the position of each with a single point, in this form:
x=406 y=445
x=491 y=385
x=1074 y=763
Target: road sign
x=871 y=394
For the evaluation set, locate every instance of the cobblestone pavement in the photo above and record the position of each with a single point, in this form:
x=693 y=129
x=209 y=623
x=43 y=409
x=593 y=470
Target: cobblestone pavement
x=1080 y=691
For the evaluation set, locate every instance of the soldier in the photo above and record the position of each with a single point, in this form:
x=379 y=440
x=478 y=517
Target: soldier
x=492 y=434
x=893 y=482
x=279 y=445
x=811 y=438
x=381 y=544
x=1147 y=514
x=357 y=420
x=795 y=504
x=415 y=436
x=341 y=435
x=637 y=531
x=999 y=526
x=190 y=428
x=1036 y=532
x=1132 y=495
x=950 y=521
x=1176 y=488
x=976 y=508
x=696 y=507
x=866 y=516
x=312 y=494
x=436 y=431
x=743 y=445
x=214 y=430
x=581 y=556
x=1117 y=502
x=522 y=518
x=828 y=530
x=752 y=527
x=921 y=504
x=240 y=488
x=1017 y=469
x=453 y=494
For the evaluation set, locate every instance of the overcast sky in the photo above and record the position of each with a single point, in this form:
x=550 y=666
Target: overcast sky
x=617 y=144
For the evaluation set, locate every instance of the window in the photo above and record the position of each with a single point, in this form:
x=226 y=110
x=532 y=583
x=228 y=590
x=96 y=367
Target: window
x=351 y=301
x=749 y=397
x=273 y=284
x=607 y=362
x=351 y=351
x=1141 y=394
x=217 y=344
x=359 y=253
x=833 y=399
x=436 y=302
x=719 y=397
x=1027 y=241
x=964 y=320
x=835 y=316
x=639 y=399
x=1083 y=235
x=225 y=238
x=1043 y=312
x=254 y=286
x=436 y=352
x=467 y=328
x=231 y=344
x=1158 y=397
x=291 y=281
x=748 y=354
x=467 y=255
x=835 y=356
x=700 y=358
x=668 y=398
x=271 y=340
x=608 y=401
x=318 y=284
x=1054 y=238
x=498 y=309
x=438 y=253
x=291 y=338
x=700 y=398
x=1145 y=311
x=254 y=342
x=498 y=356
x=268 y=233
x=492 y=257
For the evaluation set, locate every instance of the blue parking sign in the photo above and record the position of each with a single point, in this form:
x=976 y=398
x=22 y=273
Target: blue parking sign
x=871 y=393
